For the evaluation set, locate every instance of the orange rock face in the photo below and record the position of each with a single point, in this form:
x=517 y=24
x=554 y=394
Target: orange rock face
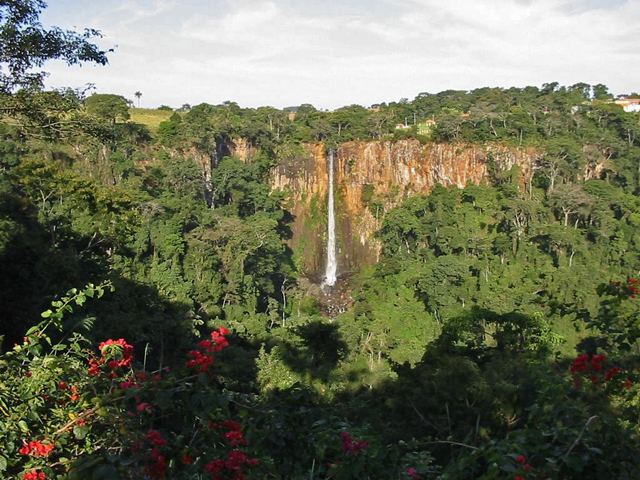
x=370 y=178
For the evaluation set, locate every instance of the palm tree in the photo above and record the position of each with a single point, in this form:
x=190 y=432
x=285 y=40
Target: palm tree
x=138 y=94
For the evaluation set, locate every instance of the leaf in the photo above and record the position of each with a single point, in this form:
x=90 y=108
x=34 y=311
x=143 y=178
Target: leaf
x=46 y=314
x=80 y=431
x=57 y=348
x=3 y=463
x=32 y=330
x=23 y=426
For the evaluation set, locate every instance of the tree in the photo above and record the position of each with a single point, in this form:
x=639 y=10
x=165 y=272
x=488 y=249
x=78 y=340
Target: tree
x=108 y=107
x=25 y=45
x=568 y=200
x=138 y=94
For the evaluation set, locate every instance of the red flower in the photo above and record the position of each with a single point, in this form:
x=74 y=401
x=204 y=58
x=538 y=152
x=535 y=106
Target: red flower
x=74 y=394
x=158 y=467
x=94 y=366
x=155 y=438
x=34 y=475
x=596 y=362
x=186 y=459
x=62 y=385
x=36 y=449
x=628 y=384
x=214 y=466
x=120 y=350
x=236 y=459
x=413 y=474
x=351 y=447
x=612 y=372
x=518 y=477
x=199 y=361
x=235 y=438
x=521 y=459
x=231 y=425
x=219 y=339
x=144 y=407
x=579 y=364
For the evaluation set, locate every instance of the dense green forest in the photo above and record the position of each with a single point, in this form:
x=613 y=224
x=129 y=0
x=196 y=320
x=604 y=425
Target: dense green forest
x=153 y=322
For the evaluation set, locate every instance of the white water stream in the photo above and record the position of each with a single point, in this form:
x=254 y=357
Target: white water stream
x=332 y=263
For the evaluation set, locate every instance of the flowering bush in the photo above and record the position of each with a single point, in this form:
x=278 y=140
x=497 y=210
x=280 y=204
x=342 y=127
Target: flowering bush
x=77 y=414
x=592 y=367
x=80 y=411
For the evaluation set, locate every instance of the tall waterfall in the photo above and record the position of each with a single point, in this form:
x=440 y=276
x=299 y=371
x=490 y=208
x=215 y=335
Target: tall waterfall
x=332 y=264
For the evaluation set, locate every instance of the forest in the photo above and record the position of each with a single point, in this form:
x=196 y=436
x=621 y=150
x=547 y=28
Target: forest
x=154 y=319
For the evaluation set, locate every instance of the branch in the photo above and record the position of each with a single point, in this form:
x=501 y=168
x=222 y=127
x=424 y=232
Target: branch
x=577 y=440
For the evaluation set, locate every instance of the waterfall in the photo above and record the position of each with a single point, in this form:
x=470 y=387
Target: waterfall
x=332 y=264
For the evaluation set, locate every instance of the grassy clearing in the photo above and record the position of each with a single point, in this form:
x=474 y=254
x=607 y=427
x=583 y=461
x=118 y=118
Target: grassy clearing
x=149 y=117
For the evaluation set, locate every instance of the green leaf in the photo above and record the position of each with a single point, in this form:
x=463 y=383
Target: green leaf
x=23 y=426
x=32 y=330
x=46 y=314
x=80 y=431
x=57 y=348
x=3 y=463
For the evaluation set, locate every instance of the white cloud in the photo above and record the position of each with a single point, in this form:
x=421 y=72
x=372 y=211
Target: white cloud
x=330 y=54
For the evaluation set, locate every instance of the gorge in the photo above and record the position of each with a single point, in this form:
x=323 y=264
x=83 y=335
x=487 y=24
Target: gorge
x=372 y=177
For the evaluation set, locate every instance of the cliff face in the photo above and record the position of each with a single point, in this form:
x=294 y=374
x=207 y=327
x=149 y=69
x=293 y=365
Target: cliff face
x=370 y=178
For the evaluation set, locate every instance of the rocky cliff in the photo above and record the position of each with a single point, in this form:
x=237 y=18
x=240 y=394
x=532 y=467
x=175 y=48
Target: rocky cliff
x=370 y=178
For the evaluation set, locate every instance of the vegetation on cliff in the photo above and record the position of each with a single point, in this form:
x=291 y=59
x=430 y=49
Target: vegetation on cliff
x=154 y=323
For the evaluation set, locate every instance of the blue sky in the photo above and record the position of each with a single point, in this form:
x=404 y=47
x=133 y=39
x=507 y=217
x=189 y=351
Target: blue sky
x=333 y=53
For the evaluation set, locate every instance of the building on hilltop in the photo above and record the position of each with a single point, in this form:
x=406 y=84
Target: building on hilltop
x=629 y=104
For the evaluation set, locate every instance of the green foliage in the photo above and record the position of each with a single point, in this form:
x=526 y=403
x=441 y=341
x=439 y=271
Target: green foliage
x=27 y=45
x=108 y=107
x=452 y=361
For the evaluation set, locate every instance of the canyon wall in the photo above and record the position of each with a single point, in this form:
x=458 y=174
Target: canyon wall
x=370 y=178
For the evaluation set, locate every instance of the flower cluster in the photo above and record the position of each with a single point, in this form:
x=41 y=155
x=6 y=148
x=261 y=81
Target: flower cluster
x=115 y=354
x=34 y=475
x=592 y=367
x=36 y=449
x=155 y=438
x=523 y=466
x=350 y=446
x=232 y=465
x=200 y=360
x=236 y=459
x=233 y=434
x=74 y=396
x=156 y=466
x=413 y=474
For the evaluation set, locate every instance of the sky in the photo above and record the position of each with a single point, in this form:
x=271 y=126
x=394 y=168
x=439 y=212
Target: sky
x=334 y=53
